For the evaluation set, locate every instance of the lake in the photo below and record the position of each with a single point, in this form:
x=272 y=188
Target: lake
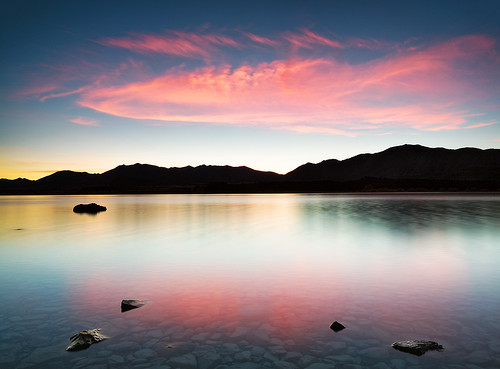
x=251 y=281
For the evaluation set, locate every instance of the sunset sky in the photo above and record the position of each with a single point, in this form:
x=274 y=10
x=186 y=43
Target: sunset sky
x=89 y=85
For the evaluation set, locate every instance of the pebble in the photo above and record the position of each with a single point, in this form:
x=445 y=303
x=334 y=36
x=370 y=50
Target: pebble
x=258 y=351
x=156 y=333
x=319 y=366
x=209 y=360
x=306 y=360
x=398 y=364
x=243 y=356
x=292 y=356
x=116 y=359
x=145 y=353
x=187 y=361
x=126 y=346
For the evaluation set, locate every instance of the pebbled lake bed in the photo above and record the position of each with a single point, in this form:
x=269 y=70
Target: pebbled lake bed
x=251 y=281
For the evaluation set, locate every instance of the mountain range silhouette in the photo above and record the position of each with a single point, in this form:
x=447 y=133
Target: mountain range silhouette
x=400 y=168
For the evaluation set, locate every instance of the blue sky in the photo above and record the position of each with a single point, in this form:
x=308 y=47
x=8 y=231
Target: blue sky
x=89 y=85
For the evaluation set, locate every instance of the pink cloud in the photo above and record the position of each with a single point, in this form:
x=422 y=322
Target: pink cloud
x=308 y=39
x=63 y=94
x=204 y=45
x=191 y=45
x=85 y=121
x=422 y=90
x=260 y=39
x=479 y=125
x=371 y=44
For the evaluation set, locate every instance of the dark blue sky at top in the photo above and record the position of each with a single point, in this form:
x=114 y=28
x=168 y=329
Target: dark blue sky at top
x=28 y=24
x=36 y=32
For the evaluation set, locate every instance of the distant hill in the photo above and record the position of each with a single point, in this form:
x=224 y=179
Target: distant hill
x=144 y=174
x=400 y=168
x=407 y=162
x=138 y=178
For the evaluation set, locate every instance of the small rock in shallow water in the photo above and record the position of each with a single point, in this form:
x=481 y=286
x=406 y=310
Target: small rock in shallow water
x=131 y=304
x=417 y=347
x=84 y=339
x=336 y=326
x=92 y=208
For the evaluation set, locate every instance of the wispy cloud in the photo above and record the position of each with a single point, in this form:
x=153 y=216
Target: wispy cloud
x=205 y=45
x=63 y=94
x=370 y=43
x=479 y=125
x=84 y=121
x=39 y=89
x=260 y=39
x=308 y=39
x=190 y=45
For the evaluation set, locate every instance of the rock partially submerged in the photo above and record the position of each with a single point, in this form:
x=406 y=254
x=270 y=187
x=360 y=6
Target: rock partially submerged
x=336 y=326
x=92 y=208
x=132 y=304
x=417 y=347
x=84 y=339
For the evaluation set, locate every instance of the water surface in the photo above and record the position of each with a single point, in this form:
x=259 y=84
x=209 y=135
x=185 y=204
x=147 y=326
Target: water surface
x=251 y=281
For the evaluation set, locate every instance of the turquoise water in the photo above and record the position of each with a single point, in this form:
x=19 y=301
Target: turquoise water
x=251 y=281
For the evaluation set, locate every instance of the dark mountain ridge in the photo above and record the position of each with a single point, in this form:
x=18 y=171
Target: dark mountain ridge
x=403 y=167
x=407 y=162
x=145 y=174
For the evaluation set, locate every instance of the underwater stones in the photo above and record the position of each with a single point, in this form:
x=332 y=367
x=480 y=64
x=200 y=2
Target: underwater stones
x=84 y=339
x=336 y=326
x=131 y=304
x=417 y=347
x=92 y=208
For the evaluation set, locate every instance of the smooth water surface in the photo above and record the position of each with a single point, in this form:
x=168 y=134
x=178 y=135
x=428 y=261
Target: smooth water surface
x=251 y=281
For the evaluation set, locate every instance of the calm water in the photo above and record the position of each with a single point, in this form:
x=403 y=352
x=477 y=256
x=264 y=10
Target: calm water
x=251 y=281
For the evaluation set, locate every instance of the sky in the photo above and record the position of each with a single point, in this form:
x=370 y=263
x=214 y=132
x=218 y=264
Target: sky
x=90 y=85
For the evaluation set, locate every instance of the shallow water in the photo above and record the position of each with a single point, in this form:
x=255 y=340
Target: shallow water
x=251 y=281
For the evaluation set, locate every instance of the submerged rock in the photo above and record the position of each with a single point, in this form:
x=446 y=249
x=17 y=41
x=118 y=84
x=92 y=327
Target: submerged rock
x=84 y=339
x=417 y=347
x=336 y=326
x=132 y=304
x=92 y=208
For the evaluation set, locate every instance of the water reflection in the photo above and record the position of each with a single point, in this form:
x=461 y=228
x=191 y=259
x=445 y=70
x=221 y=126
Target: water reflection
x=406 y=213
x=266 y=274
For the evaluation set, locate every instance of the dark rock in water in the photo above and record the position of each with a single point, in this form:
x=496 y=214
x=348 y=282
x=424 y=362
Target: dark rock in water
x=84 y=339
x=417 y=347
x=132 y=304
x=336 y=326
x=92 y=208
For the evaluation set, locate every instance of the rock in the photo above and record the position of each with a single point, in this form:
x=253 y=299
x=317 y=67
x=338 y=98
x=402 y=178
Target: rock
x=92 y=208
x=131 y=304
x=336 y=326
x=417 y=347
x=84 y=339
